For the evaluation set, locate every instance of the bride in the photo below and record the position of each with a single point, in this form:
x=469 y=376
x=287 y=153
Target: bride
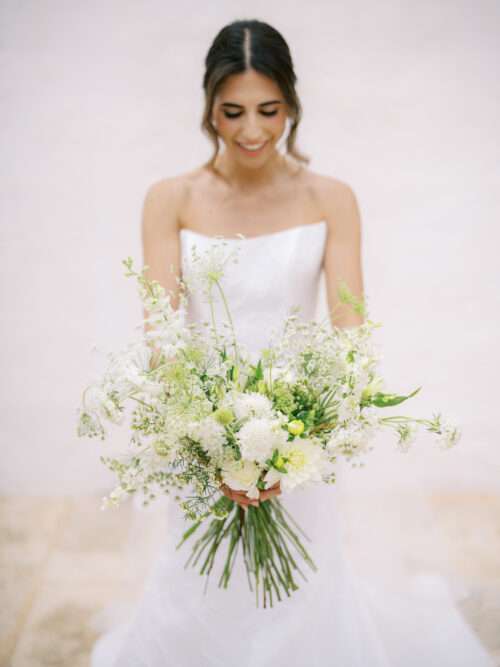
x=295 y=224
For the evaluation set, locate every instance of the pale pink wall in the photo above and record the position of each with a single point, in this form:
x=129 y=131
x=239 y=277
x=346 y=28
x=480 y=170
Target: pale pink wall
x=100 y=100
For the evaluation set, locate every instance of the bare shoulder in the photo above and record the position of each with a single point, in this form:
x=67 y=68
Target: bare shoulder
x=334 y=194
x=339 y=203
x=164 y=199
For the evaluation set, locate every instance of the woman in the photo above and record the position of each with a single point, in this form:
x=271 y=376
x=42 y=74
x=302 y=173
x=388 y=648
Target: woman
x=296 y=223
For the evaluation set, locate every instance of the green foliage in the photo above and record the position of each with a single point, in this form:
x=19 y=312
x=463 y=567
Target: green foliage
x=283 y=398
x=381 y=400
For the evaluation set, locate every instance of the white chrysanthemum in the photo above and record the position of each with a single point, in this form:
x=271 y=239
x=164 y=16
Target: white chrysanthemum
x=210 y=434
x=259 y=437
x=252 y=404
x=305 y=462
x=241 y=476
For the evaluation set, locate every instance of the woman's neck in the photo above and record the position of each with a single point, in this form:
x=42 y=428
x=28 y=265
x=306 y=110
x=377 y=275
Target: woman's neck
x=247 y=180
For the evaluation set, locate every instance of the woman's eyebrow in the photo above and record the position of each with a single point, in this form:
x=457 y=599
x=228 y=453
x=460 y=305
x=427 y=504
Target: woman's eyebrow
x=239 y=106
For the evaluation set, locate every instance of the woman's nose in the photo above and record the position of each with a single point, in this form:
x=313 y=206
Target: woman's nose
x=251 y=129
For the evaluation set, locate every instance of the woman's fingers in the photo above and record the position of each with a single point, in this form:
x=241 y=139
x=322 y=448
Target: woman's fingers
x=238 y=496
x=273 y=490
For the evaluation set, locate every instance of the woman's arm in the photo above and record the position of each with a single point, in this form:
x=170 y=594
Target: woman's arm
x=160 y=240
x=342 y=261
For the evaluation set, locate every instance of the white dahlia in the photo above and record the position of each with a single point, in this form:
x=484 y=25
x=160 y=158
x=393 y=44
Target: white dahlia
x=304 y=461
x=259 y=437
x=251 y=404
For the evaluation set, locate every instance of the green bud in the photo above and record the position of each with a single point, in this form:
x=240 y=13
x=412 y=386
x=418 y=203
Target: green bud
x=224 y=415
x=296 y=427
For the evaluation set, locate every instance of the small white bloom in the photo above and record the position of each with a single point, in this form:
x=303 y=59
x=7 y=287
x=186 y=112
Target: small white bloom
x=93 y=399
x=348 y=408
x=350 y=441
x=208 y=268
x=115 y=498
x=407 y=435
x=450 y=435
x=284 y=374
x=97 y=403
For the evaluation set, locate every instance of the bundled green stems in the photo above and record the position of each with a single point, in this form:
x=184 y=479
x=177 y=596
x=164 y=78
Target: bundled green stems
x=267 y=540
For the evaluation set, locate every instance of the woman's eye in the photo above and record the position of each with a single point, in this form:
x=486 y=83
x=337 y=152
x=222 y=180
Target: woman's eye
x=237 y=115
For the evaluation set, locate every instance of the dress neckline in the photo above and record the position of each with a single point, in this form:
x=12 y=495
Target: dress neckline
x=253 y=238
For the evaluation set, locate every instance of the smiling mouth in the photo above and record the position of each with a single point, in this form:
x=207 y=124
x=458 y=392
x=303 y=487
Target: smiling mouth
x=252 y=149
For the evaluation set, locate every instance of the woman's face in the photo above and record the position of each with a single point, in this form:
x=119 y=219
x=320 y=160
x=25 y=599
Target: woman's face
x=249 y=115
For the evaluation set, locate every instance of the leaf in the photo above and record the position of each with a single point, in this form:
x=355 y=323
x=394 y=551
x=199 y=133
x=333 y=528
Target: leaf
x=259 y=375
x=382 y=400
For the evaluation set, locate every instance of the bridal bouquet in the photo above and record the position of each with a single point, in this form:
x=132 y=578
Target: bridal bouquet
x=203 y=416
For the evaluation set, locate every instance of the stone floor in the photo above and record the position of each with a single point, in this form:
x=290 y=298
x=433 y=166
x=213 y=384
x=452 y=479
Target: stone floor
x=63 y=560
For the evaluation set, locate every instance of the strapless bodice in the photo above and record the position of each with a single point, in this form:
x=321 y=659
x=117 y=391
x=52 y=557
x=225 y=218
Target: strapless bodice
x=275 y=273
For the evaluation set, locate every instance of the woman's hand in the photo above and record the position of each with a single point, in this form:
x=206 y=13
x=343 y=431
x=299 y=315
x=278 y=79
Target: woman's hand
x=242 y=499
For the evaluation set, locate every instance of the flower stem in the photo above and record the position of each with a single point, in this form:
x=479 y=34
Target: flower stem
x=228 y=313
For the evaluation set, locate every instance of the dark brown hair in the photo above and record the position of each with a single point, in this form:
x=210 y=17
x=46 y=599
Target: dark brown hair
x=244 y=45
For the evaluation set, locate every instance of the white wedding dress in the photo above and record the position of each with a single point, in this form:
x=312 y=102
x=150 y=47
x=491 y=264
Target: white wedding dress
x=335 y=618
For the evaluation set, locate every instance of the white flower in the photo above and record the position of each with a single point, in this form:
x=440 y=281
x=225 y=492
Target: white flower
x=259 y=437
x=127 y=372
x=97 y=403
x=304 y=461
x=252 y=404
x=93 y=398
x=204 y=270
x=115 y=498
x=350 y=441
x=287 y=375
x=89 y=424
x=449 y=435
x=241 y=476
x=407 y=435
x=348 y=408
x=167 y=330
x=210 y=434
x=370 y=417
x=165 y=447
